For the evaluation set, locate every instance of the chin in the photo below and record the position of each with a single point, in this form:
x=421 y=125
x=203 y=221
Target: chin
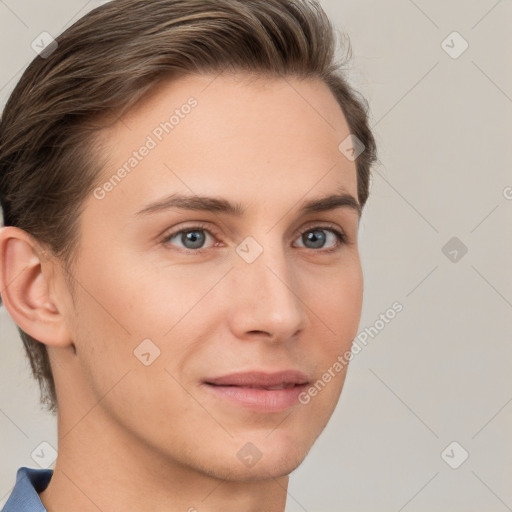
x=246 y=458
x=274 y=456
x=265 y=469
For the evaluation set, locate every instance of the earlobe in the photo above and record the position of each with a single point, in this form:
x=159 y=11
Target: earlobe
x=25 y=288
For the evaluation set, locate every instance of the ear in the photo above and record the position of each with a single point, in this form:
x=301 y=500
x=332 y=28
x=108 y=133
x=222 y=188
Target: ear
x=25 y=271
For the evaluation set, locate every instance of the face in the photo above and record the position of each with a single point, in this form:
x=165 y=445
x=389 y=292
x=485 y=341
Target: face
x=199 y=322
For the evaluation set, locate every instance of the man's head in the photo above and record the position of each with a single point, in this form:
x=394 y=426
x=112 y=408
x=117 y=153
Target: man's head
x=118 y=307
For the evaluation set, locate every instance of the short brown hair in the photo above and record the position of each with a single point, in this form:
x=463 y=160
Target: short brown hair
x=105 y=62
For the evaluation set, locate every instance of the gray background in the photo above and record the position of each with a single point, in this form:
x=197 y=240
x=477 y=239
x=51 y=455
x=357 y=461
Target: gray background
x=440 y=370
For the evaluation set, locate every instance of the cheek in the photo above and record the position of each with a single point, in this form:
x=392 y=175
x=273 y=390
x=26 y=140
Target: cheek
x=339 y=311
x=349 y=297
x=338 y=302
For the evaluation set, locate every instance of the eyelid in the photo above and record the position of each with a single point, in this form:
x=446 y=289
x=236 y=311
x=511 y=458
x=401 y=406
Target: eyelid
x=321 y=225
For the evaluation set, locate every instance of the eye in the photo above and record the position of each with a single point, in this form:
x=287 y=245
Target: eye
x=318 y=236
x=192 y=238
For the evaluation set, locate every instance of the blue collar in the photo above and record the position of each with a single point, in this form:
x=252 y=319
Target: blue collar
x=24 y=496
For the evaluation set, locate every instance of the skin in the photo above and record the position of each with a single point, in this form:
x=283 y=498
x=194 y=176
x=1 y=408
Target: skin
x=135 y=437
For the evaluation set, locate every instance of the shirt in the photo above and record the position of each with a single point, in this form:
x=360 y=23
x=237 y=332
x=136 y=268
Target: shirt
x=24 y=497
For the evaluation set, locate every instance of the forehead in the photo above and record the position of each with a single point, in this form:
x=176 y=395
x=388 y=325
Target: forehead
x=257 y=139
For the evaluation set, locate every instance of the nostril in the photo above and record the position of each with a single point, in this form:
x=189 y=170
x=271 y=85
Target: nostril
x=262 y=332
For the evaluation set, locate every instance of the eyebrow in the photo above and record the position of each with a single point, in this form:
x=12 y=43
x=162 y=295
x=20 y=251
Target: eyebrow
x=221 y=205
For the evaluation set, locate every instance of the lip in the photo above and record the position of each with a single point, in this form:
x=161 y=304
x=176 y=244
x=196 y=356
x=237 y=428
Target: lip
x=253 y=389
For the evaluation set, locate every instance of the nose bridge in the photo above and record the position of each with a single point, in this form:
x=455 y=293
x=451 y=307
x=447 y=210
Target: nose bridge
x=267 y=295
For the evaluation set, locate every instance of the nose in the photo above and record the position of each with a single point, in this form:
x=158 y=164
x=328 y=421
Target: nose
x=267 y=301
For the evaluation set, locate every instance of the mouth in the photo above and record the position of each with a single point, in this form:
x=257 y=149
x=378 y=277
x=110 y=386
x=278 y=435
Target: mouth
x=259 y=391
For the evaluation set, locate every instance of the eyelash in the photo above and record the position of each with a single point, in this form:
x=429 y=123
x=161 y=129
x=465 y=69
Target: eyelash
x=341 y=237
